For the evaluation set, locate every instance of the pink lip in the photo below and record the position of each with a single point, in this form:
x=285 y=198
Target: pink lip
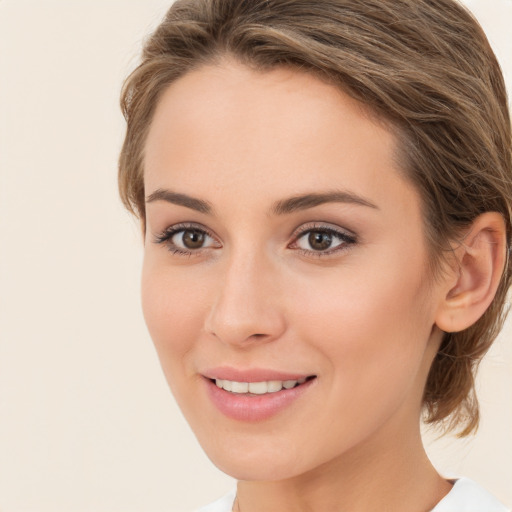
x=253 y=408
x=250 y=375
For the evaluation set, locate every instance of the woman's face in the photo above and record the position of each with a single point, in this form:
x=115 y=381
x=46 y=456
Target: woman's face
x=282 y=244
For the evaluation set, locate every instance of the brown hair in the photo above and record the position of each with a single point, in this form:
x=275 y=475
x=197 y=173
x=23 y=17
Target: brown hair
x=423 y=66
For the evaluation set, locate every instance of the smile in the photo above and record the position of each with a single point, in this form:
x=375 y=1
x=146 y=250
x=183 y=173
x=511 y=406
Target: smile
x=257 y=400
x=258 y=388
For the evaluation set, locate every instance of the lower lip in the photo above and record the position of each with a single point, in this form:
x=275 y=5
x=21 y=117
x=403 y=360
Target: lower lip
x=254 y=408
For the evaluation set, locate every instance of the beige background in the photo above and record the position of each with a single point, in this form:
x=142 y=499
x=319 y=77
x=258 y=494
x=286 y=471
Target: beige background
x=86 y=420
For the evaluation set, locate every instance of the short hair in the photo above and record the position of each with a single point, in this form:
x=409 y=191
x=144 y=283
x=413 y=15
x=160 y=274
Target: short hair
x=424 y=67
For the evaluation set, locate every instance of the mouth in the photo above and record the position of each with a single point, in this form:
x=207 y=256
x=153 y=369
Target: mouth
x=259 y=388
x=255 y=399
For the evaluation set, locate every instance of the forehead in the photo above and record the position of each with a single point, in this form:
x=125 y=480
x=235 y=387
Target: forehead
x=265 y=133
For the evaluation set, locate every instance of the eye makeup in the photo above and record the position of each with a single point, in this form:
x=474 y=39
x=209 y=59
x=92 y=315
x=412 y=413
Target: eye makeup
x=313 y=239
x=192 y=236
x=327 y=239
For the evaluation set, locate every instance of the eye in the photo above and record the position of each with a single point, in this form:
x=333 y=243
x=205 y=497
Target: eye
x=321 y=240
x=187 y=239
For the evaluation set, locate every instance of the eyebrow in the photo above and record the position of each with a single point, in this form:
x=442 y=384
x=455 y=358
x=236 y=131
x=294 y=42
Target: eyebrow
x=180 y=200
x=303 y=202
x=281 y=207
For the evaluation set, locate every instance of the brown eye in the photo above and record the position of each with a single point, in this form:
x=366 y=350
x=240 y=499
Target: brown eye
x=191 y=238
x=187 y=240
x=322 y=241
x=319 y=241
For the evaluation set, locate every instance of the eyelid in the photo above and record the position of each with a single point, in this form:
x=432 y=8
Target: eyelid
x=181 y=226
x=164 y=237
x=323 y=226
x=349 y=238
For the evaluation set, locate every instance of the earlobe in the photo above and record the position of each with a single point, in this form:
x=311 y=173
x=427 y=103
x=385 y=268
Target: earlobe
x=481 y=258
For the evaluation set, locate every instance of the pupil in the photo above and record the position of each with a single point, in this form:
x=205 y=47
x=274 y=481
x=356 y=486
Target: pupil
x=320 y=241
x=193 y=239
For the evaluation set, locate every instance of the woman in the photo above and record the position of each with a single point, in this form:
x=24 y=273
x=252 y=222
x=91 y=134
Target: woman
x=325 y=192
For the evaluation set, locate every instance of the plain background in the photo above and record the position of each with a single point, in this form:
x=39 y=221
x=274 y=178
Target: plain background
x=86 y=420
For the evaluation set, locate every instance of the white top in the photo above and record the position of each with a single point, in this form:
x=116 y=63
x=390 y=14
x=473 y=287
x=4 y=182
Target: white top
x=465 y=496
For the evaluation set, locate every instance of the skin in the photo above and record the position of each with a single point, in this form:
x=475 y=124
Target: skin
x=362 y=319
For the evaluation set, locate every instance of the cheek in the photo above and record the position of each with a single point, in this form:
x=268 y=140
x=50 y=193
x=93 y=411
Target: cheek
x=375 y=326
x=172 y=311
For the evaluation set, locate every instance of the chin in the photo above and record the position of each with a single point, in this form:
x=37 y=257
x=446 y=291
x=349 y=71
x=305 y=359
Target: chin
x=255 y=460
x=256 y=470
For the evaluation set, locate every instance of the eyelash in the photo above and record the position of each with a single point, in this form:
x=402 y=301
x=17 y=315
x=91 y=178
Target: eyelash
x=347 y=239
x=165 y=238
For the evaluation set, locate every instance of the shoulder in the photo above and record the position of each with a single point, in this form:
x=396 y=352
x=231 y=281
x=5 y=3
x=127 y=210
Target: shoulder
x=224 y=504
x=468 y=496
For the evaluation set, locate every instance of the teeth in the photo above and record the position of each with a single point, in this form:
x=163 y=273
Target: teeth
x=239 y=387
x=274 y=386
x=257 y=388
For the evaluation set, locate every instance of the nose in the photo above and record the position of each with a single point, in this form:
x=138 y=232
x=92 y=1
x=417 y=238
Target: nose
x=246 y=308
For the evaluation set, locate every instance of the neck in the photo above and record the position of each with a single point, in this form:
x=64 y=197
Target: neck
x=392 y=471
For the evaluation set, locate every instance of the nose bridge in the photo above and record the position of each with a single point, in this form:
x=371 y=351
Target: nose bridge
x=245 y=307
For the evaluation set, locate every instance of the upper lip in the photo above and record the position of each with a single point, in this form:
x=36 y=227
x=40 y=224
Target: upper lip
x=250 y=374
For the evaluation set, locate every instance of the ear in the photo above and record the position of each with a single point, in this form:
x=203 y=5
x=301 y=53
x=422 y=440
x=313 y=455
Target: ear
x=474 y=277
